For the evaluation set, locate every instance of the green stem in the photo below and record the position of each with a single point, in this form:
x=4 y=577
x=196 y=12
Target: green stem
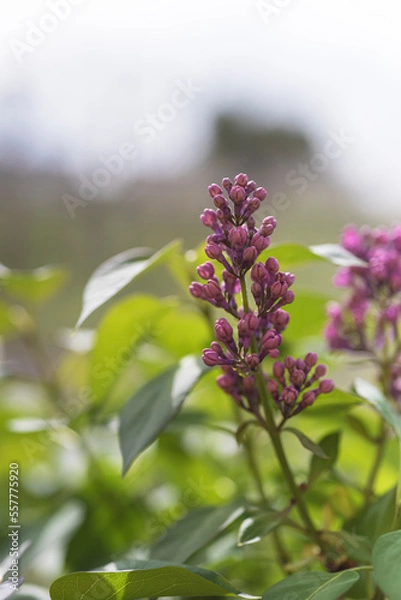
x=274 y=434
x=380 y=450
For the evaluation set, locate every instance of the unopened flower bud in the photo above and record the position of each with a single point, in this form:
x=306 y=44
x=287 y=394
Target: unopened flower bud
x=206 y=271
x=214 y=189
x=289 y=362
x=248 y=383
x=238 y=238
x=320 y=371
x=308 y=398
x=237 y=194
x=250 y=255
x=227 y=183
x=260 y=193
x=196 y=289
x=213 y=251
x=272 y=387
x=223 y=330
x=241 y=179
x=252 y=361
x=258 y=273
x=260 y=242
x=311 y=359
x=326 y=386
x=272 y=265
x=278 y=370
x=289 y=395
x=298 y=377
x=209 y=218
x=210 y=358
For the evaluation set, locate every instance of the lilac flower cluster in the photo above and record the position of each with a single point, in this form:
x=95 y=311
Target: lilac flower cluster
x=368 y=319
x=236 y=243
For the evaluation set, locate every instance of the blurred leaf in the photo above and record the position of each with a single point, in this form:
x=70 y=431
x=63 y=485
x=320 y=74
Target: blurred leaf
x=194 y=531
x=33 y=286
x=375 y=397
x=307 y=443
x=337 y=255
x=6 y=324
x=255 y=528
x=308 y=315
x=376 y=519
x=314 y=585
x=359 y=427
x=386 y=564
x=145 y=579
x=148 y=412
x=125 y=325
x=332 y=405
x=117 y=272
x=32 y=592
x=330 y=446
x=182 y=331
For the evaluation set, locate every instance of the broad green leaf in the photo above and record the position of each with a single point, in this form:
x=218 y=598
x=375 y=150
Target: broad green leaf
x=148 y=412
x=332 y=405
x=182 y=331
x=307 y=443
x=375 y=520
x=375 y=397
x=359 y=427
x=312 y=586
x=337 y=255
x=145 y=579
x=194 y=531
x=257 y=527
x=117 y=272
x=330 y=446
x=386 y=556
x=308 y=315
x=291 y=254
x=125 y=325
x=32 y=286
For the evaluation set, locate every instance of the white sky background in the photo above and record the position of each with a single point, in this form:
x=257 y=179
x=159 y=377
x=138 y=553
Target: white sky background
x=318 y=63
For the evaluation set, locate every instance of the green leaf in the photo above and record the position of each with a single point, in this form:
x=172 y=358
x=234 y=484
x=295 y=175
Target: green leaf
x=117 y=272
x=125 y=325
x=337 y=255
x=194 y=531
x=32 y=286
x=374 y=396
x=144 y=579
x=148 y=412
x=307 y=443
x=332 y=405
x=386 y=564
x=6 y=323
x=255 y=528
x=308 y=315
x=376 y=519
x=312 y=586
x=330 y=446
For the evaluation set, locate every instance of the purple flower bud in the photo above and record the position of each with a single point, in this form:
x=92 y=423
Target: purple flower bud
x=258 y=273
x=210 y=358
x=275 y=290
x=252 y=361
x=223 y=330
x=320 y=371
x=308 y=398
x=289 y=363
x=272 y=387
x=260 y=242
x=209 y=218
x=257 y=291
x=220 y=202
x=272 y=265
x=215 y=346
x=271 y=340
x=326 y=386
x=237 y=194
x=289 y=395
x=214 y=189
x=311 y=359
x=196 y=289
x=298 y=377
x=227 y=183
x=249 y=384
x=268 y=226
x=278 y=370
x=289 y=297
x=213 y=290
x=260 y=193
x=213 y=251
x=206 y=271
x=241 y=179
x=279 y=319
x=299 y=363
x=250 y=255
x=250 y=186
x=238 y=238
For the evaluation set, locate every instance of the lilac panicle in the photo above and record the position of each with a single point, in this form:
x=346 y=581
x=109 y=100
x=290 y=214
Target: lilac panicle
x=368 y=319
x=237 y=243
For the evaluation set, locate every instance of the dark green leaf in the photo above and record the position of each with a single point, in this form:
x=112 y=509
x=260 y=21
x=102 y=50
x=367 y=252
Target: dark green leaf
x=329 y=445
x=307 y=443
x=194 y=531
x=148 y=412
x=386 y=556
x=144 y=579
x=376 y=519
x=117 y=272
x=312 y=586
x=257 y=527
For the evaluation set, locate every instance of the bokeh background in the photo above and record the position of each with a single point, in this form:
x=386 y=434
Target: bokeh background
x=114 y=118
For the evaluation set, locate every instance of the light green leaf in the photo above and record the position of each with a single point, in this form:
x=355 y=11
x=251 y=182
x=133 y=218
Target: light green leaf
x=308 y=315
x=330 y=446
x=32 y=286
x=194 y=531
x=145 y=579
x=332 y=405
x=374 y=396
x=312 y=586
x=337 y=255
x=6 y=323
x=148 y=412
x=257 y=527
x=125 y=325
x=117 y=272
x=307 y=442
x=386 y=564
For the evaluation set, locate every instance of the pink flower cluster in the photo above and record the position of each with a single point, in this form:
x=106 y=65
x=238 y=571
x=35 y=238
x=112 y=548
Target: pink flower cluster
x=236 y=243
x=368 y=319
